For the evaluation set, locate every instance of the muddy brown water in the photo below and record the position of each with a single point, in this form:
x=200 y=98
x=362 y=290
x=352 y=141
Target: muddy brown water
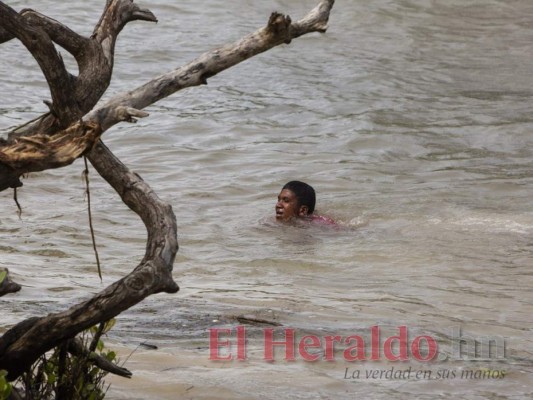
x=412 y=120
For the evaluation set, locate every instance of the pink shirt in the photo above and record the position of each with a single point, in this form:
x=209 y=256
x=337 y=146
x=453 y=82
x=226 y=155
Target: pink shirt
x=322 y=220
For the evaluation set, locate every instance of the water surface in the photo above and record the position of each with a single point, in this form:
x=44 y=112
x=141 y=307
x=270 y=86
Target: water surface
x=412 y=121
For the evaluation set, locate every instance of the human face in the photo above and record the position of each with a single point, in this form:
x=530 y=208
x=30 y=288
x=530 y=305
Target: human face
x=287 y=206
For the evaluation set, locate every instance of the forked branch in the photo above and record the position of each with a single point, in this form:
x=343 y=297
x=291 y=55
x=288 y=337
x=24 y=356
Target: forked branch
x=39 y=44
x=21 y=345
x=279 y=30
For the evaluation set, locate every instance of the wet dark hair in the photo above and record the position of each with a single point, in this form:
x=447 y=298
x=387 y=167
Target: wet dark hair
x=305 y=194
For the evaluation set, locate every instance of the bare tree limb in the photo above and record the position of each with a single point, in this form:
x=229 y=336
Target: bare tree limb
x=40 y=152
x=21 y=345
x=152 y=275
x=95 y=57
x=58 y=33
x=42 y=48
x=116 y=15
x=279 y=30
x=75 y=347
x=96 y=67
x=315 y=21
x=5 y=35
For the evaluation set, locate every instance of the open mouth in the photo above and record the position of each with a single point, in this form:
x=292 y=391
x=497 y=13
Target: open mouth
x=279 y=212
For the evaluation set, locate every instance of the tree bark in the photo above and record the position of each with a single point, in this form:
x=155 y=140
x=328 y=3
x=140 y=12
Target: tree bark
x=75 y=347
x=40 y=45
x=61 y=136
x=279 y=30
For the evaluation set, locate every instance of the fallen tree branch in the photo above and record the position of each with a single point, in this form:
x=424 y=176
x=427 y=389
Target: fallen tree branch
x=94 y=56
x=42 y=48
x=123 y=107
x=76 y=348
x=40 y=152
x=96 y=65
x=23 y=344
x=279 y=30
x=152 y=275
x=58 y=33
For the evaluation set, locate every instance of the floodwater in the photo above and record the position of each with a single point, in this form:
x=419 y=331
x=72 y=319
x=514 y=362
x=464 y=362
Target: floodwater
x=412 y=120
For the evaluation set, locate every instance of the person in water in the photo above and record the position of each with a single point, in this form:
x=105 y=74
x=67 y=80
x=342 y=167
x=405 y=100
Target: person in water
x=297 y=200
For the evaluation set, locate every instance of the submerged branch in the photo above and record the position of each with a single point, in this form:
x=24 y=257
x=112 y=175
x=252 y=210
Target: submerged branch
x=6 y=284
x=76 y=348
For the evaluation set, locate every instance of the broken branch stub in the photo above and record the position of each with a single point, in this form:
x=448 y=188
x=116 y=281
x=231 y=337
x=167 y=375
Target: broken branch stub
x=40 y=152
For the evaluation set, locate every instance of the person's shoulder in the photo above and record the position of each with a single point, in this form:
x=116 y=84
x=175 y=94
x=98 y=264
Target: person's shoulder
x=322 y=219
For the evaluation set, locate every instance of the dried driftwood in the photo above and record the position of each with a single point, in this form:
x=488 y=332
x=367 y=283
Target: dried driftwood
x=71 y=129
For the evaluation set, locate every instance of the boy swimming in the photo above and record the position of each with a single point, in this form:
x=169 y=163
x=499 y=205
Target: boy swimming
x=297 y=200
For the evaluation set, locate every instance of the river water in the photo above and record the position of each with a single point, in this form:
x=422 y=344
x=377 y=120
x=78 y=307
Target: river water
x=412 y=121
